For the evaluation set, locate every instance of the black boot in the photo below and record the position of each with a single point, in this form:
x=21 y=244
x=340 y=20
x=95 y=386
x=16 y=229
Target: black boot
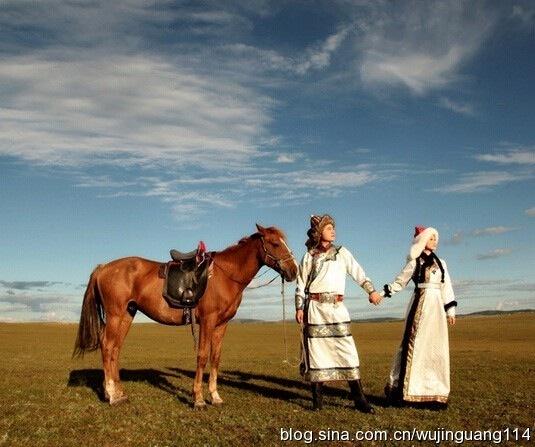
x=317 y=396
x=394 y=397
x=359 y=398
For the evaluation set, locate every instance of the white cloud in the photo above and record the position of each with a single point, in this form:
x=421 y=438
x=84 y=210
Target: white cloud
x=457 y=107
x=492 y=230
x=359 y=151
x=482 y=181
x=525 y=14
x=493 y=254
x=530 y=212
x=508 y=305
x=456 y=238
x=125 y=110
x=418 y=72
x=420 y=46
x=288 y=157
x=320 y=58
x=522 y=157
x=317 y=57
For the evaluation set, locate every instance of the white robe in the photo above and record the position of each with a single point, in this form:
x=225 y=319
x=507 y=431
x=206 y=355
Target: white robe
x=424 y=349
x=330 y=351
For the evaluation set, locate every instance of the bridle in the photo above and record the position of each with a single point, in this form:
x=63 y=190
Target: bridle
x=276 y=265
x=276 y=261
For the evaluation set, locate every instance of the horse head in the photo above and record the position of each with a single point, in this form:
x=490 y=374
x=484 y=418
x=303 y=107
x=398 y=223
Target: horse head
x=276 y=253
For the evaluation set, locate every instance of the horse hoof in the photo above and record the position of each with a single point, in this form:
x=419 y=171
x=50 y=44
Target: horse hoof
x=118 y=400
x=199 y=406
x=217 y=402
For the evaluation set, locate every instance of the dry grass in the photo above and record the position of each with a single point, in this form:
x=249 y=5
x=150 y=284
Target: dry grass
x=48 y=399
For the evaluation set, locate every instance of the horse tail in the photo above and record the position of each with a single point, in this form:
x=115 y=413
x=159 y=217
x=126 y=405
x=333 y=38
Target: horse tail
x=91 y=318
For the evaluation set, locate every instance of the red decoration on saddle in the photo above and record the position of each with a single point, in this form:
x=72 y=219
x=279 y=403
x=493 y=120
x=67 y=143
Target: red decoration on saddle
x=418 y=229
x=201 y=253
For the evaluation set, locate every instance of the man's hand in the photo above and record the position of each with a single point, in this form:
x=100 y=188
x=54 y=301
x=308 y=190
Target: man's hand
x=375 y=298
x=451 y=321
x=299 y=316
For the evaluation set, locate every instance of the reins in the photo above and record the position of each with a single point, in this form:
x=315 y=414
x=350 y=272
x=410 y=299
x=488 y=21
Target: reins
x=267 y=255
x=285 y=336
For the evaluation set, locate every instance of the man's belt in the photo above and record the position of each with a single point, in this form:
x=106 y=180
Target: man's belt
x=326 y=297
x=429 y=285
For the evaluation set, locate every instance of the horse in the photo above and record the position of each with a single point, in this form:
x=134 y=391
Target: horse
x=115 y=287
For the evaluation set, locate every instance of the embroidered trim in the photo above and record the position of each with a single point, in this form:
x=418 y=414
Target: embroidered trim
x=328 y=374
x=328 y=324
x=392 y=390
x=368 y=287
x=412 y=338
x=441 y=399
x=329 y=330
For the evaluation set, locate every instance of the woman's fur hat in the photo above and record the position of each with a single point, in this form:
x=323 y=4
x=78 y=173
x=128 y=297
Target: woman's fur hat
x=421 y=237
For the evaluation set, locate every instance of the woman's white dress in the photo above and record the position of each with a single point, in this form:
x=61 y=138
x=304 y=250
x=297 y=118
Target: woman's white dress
x=421 y=367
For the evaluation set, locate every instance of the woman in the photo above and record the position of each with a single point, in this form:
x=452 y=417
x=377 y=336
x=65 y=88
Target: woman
x=329 y=350
x=421 y=367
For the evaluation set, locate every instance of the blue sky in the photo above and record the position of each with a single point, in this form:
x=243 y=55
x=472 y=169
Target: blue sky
x=135 y=127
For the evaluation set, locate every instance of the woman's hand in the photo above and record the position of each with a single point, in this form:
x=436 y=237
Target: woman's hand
x=451 y=321
x=299 y=316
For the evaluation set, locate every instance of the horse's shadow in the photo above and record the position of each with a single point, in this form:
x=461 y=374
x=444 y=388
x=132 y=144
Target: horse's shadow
x=94 y=378
x=273 y=387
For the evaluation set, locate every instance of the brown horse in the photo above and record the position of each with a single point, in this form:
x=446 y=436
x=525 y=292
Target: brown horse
x=105 y=318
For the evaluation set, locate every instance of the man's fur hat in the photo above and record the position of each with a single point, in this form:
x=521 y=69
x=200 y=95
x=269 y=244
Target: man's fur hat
x=317 y=224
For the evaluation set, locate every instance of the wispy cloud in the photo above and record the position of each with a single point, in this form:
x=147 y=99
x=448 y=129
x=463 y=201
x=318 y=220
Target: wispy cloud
x=190 y=197
x=420 y=46
x=521 y=157
x=496 y=253
x=524 y=13
x=468 y=286
x=288 y=157
x=482 y=181
x=318 y=58
x=457 y=107
x=492 y=230
x=315 y=58
x=27 y=285
x=530 y=212
x=126 y=110
x=456 y=238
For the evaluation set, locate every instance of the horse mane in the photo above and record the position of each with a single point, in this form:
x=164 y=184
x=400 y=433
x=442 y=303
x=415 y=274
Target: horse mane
x=256 y=235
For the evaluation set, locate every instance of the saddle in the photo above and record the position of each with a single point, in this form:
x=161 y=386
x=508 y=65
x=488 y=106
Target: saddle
x=186 y=277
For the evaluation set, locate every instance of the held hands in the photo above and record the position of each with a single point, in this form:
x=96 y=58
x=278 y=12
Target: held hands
x=299 y=316
x=375 y=298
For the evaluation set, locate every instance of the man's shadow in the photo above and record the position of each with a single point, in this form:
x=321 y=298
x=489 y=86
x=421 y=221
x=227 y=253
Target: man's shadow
x=280 y=388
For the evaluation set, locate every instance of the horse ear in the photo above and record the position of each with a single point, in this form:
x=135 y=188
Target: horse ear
x=260 y=229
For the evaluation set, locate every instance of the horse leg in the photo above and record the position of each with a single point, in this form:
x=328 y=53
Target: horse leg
x=215 y=355
x=113 y=336
x=205 y=334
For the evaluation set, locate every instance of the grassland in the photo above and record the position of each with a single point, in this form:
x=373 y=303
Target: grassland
x=48 y=399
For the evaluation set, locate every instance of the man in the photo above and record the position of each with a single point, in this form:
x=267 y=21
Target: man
x=330 y=353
